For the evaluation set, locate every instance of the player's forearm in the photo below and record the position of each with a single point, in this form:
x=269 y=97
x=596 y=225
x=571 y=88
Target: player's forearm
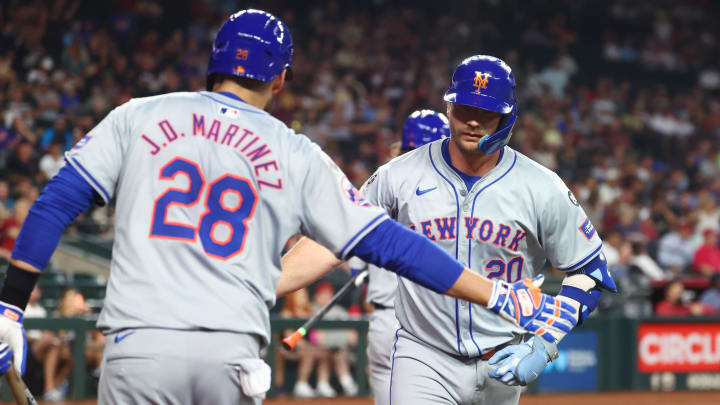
x=304 y=263
x=472 y=287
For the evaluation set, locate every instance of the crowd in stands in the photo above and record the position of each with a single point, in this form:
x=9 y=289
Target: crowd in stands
x=620 y=98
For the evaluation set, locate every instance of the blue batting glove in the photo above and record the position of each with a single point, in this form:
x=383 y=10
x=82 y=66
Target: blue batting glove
x=522 y=363
x=525 y=305
x=12 y=334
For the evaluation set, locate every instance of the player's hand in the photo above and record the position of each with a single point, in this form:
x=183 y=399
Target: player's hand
x=12 y=335
x=524 y=304
x=522 y=363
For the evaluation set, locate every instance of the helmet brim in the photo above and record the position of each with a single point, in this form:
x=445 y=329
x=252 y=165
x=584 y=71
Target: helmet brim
x=482 y=101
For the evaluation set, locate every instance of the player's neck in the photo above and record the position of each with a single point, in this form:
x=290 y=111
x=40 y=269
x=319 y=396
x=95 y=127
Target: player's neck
x=473 y=164
x=259 y=99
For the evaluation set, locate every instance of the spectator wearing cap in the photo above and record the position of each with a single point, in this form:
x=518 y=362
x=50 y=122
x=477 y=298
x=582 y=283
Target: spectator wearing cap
x=711 y=296
x=676 y=249
x=707 y=257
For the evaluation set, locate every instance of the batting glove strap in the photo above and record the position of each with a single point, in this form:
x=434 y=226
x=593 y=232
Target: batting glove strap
x=550 y=349
x=11 y=312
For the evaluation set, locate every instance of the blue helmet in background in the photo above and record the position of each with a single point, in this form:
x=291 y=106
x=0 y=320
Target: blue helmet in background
x=424 y=126
x=486 y=82
x=253 y=44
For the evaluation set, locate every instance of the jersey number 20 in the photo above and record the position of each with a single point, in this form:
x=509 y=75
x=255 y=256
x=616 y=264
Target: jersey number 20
x=216 y=213
x=512 y=270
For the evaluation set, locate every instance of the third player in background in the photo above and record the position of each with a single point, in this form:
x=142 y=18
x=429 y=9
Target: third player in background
x=421 y=127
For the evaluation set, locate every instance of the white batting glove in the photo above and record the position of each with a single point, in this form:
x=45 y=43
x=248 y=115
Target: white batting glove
x=523 y=304
x=12 y=333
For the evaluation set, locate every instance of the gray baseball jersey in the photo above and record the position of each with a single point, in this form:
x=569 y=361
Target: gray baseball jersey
x=382 y=284
x=506 y=226
x=208 y=190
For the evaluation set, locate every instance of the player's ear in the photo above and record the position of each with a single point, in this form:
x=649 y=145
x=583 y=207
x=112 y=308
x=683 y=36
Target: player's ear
x=279 y=82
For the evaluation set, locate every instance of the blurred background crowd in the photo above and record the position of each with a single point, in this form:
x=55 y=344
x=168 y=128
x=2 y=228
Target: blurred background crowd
x=620 y=98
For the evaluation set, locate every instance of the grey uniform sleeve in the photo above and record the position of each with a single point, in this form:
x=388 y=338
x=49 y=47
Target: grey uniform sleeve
x=99 y=155
x=566 y=233
x=334 y=212
x=377 y=191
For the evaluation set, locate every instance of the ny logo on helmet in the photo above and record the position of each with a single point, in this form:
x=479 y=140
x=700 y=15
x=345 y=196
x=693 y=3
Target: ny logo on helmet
x=481 y=80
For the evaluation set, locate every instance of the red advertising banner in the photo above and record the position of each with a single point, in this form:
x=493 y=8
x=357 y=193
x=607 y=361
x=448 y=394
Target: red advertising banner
x=678 y=347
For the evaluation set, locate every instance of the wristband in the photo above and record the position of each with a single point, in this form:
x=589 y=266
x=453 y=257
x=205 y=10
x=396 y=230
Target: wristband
x=18 y=285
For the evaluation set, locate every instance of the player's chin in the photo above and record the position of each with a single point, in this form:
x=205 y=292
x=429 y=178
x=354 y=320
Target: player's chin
x=469 y=142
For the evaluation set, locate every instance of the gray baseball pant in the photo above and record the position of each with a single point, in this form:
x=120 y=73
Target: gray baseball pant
x=424 y=375
x=381 y=335
x=167 y=366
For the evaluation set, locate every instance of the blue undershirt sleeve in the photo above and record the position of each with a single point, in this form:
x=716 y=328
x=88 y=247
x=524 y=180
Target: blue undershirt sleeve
x=410 y=255
x=61 y=201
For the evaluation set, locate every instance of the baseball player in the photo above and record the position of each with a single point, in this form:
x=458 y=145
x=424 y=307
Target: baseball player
x=497 y=212
x=208 y=187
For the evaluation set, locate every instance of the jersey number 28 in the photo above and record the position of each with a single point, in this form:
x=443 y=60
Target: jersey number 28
x=216 y=212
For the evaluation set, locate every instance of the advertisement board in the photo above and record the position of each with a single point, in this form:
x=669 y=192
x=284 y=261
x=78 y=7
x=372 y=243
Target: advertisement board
x=678 y=347
x=576 y=367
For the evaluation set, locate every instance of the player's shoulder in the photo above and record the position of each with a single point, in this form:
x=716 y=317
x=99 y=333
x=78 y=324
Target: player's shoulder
x=535 y=173
x=177 y=97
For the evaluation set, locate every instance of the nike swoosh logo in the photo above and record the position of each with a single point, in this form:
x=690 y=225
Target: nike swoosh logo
x=119 y=338
x=421 y=192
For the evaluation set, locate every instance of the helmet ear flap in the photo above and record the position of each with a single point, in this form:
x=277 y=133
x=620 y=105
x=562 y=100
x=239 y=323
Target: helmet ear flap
x=501 y=137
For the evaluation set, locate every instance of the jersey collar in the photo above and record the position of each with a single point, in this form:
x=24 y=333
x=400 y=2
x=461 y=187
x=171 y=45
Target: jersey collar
x=232 y=95
x=466 y=178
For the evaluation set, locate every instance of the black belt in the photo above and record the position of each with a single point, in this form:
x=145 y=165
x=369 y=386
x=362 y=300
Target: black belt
x=379 y=306
x=491 y=352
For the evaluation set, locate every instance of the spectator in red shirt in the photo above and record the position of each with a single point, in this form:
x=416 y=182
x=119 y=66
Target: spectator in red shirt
x=707 y=257
x=10 y=228
x=673 y=304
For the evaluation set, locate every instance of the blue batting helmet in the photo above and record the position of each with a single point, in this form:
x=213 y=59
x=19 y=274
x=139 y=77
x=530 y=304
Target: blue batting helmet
x=486 y=82
x=253 y=44
x=424 y=126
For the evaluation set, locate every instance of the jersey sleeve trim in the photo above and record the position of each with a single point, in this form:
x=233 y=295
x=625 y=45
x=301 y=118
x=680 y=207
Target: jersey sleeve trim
x=583 y=261
x=367 y=228
x=90 y=179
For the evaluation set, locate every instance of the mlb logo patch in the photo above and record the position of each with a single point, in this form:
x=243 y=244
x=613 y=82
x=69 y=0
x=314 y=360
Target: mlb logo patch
x=82 y=142
x=229 y=112
x=587 y=229
x=353 y=194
